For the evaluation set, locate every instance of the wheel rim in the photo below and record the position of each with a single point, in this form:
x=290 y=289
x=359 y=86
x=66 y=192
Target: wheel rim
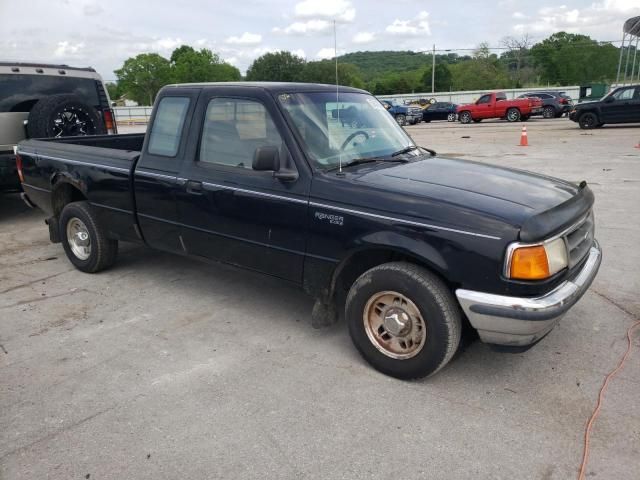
x=588 y=121
x=466 y=118
x=548 y=113
x=513 y=115
x=394 y=325
x=400 y=119
x=78 y=238
x=72 y=122
x=451 y=117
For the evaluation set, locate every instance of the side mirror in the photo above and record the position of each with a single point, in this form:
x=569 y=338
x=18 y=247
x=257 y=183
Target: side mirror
x=266 y=158
x=609 y=99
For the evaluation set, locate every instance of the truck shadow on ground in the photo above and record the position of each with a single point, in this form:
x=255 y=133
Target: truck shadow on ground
x=288 y=305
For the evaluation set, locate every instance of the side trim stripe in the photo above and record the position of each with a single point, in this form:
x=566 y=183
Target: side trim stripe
x=77 y=162
x=400 y=220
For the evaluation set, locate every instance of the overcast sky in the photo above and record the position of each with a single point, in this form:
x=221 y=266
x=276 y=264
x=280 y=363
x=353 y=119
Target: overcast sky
x=104 y=33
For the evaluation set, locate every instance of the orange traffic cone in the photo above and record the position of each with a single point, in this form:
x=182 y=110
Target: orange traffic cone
x=524 y=142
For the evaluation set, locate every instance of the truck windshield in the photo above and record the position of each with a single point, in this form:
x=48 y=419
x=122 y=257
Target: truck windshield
x=357 y=126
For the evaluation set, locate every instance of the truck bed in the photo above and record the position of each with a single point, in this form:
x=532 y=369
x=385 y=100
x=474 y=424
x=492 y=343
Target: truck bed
x=101 y=167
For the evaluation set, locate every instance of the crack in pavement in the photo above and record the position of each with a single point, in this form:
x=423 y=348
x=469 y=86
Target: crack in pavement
x=41 y=299
x=16 y=287
x=616 y=304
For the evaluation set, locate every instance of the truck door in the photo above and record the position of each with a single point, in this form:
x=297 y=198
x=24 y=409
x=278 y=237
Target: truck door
x=621 y=108
x=155 y=176
x=230 y=212
x=485 y=106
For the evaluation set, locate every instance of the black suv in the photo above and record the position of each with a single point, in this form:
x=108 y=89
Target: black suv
x=38 y=101
x=554 y=104
x=622 y=105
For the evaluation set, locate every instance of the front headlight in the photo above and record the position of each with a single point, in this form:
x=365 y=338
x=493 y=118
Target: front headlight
x=536 y=262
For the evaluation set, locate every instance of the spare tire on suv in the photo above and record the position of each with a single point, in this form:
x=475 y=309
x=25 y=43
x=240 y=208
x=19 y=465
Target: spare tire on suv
x=63 y=115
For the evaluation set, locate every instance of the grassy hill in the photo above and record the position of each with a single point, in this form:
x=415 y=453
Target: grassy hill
x=377 y=64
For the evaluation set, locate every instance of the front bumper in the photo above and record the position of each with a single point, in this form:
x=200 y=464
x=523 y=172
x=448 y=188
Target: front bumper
x=521 y=321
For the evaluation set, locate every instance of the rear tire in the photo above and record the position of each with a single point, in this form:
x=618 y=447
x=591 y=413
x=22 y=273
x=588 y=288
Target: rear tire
x=513 y=115
x=63 y=116
x=84 y=240
x=403 y=320
x=451 y=117
x=548 y=112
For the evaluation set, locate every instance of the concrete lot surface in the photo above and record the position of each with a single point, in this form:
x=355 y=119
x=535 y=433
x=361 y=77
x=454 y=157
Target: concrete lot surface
x=166 y=368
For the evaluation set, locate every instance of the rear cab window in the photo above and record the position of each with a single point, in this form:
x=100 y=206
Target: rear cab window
x=166 y=131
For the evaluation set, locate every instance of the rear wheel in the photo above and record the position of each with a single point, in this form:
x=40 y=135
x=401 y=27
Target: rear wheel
x=451 y=117
x=588 y=120
x=403 y=320
x=84 y=240
x=548 y=112
x=513 y=115
x=465 y=117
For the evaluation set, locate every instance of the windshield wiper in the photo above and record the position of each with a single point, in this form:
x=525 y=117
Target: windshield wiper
x=360 y=161
x=408 y=149
x=411 y=148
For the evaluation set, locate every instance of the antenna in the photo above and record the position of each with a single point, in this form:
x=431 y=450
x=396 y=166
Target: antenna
x=335 y=53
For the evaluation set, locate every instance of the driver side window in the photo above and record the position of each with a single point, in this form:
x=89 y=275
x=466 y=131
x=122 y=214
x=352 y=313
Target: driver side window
x=624 y=94
x=233 y=129
x=484 y=99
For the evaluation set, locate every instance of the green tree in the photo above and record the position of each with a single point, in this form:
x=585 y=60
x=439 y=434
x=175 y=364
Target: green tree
x=276 y=67
x=482 y=72
x=568 y=59
x=142 y=76
x=443 y=78
x=115 y=92
x=324 y=71
x=189 y=65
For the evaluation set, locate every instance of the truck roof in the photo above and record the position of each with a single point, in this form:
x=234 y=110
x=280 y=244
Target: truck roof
x=288 y=87
x=45 y=65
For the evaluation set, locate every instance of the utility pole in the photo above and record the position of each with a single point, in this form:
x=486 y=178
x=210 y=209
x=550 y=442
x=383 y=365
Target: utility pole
x=433 y=70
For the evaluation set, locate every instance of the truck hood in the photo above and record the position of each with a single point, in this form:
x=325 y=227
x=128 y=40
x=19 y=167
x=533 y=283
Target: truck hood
x=512 y=196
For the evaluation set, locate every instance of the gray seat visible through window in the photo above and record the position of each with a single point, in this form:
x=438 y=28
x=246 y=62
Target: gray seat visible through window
x=221 y=144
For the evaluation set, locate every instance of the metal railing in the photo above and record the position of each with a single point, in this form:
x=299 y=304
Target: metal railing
x=132 y=115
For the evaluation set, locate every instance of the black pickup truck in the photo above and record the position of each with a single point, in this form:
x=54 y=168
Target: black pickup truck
x=261 y=175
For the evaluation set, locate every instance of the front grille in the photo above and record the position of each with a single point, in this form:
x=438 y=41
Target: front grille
x=580 y=239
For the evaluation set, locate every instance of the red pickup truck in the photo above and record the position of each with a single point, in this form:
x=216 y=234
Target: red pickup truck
x=496 y=105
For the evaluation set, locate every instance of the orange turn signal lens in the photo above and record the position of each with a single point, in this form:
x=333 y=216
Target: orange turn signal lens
x=529 y=263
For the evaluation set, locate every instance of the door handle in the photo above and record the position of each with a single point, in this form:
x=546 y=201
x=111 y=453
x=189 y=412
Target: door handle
x=194 y=188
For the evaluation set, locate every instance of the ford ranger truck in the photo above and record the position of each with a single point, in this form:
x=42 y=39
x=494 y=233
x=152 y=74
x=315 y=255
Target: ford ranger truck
x=496 y=105
x=411 y=246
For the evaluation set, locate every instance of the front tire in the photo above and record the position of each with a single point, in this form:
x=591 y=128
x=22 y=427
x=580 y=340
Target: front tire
x=401 y=119
x=465 y=117
x=403 y=320
x=513 y=115
x=84 y=240
x=588 y=120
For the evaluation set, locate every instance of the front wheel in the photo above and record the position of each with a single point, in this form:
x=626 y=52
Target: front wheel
x=403 y=320
x=588 y=120
x=465 y=117
x=513 y=115
x=401 y=119
x=84 y=240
